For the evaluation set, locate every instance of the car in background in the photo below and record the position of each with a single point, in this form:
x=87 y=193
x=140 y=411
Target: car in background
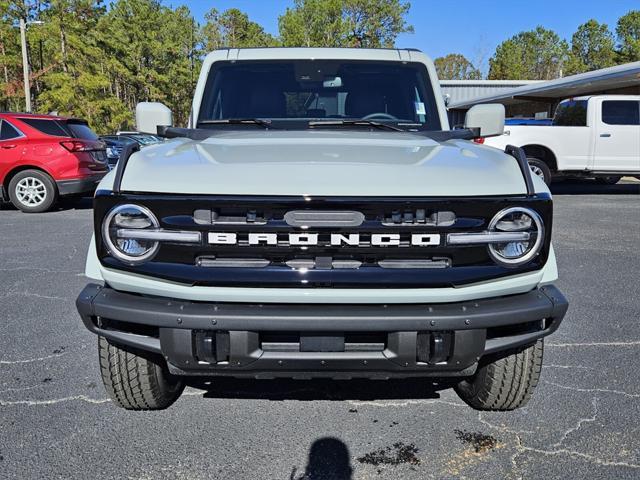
x=44 y=157
x=115 y=144
x=528 y=121
x=143 y=139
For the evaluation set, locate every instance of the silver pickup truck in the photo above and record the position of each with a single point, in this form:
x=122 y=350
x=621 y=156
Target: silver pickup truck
x=319 y=218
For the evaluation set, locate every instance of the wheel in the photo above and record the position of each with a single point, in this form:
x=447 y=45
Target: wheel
x=539 y=168
x=608 y=180
x=32 y=191
x=135 y=382
x=504 y=382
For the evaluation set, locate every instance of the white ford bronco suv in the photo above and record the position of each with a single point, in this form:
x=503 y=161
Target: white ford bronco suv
x=319 y=218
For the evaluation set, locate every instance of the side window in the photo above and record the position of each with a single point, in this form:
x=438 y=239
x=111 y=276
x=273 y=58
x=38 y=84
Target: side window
x=81 y=130
x=621 y=112
x=8 y=131
x=572 y=113
x=48 y=127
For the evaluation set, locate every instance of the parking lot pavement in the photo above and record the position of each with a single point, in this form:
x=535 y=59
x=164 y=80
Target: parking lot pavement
x=584 y=419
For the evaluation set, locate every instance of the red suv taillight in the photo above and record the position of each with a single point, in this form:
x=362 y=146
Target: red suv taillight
x=479 y=140
x=77 y=146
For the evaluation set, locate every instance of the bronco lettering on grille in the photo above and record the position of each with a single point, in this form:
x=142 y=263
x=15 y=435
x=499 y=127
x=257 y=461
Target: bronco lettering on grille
x=333 y=239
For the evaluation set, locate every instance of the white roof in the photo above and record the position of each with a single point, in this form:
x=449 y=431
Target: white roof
x=300 y=53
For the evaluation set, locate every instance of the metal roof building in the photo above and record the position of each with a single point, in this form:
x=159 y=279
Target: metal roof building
x=544 y=96
x=460 y=91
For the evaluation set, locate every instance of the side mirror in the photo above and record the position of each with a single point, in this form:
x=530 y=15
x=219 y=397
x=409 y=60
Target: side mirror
x=151 y=115
x=487 y=118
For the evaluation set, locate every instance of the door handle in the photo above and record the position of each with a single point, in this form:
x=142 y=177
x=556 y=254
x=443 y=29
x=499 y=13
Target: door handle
x=605 y=135
x=8 y=146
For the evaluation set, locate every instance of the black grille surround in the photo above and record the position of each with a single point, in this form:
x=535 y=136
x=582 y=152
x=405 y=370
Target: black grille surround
x=178 y=262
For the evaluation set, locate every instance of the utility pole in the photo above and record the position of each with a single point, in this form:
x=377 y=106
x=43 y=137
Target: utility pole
x=25 y=65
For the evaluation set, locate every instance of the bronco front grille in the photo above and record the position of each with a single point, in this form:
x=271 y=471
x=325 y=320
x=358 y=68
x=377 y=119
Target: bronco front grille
x=250 y=241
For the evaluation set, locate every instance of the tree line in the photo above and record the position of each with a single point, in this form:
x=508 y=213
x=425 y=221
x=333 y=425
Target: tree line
x=96 y=61
x=540 y=54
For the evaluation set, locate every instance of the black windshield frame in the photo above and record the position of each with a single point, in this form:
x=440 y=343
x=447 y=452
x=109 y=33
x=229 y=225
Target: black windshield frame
x=348 y=70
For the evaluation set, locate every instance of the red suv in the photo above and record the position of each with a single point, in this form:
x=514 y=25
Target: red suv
x=43 y=157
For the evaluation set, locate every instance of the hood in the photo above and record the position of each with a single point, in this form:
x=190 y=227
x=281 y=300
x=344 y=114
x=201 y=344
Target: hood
x=323 y=163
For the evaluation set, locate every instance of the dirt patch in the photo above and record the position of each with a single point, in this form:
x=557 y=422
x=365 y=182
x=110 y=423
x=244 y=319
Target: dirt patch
x=396 y=454
x=477 y=449
x=478 y=441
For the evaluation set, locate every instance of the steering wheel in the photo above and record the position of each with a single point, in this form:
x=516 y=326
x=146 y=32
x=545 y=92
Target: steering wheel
x=384 y=115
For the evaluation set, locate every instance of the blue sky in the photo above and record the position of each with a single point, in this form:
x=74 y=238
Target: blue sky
x=473 y=28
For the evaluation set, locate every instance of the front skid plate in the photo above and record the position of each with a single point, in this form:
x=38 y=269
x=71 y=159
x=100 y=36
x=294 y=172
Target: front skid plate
x=176 y=321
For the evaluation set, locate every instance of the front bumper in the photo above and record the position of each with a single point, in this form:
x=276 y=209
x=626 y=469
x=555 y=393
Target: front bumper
x=319 y=340
x=80 y=185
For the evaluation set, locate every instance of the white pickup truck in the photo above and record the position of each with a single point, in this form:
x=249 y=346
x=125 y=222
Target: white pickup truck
x=593 y=137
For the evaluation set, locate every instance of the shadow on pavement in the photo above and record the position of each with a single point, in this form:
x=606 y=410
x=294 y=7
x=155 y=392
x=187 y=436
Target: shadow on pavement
x=587 y=187
x=319 y=389
x=63 y=204
x=74 y=203
x=329 y=458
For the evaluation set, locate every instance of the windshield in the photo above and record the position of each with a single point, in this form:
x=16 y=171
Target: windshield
x=292 y=93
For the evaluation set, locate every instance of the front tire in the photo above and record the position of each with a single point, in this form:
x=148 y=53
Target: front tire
x=504 y=382
x=539 y=168
x=32 y=191
x=135 y=382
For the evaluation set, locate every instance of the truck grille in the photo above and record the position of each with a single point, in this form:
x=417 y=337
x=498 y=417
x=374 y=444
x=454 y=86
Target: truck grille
x=394 y=242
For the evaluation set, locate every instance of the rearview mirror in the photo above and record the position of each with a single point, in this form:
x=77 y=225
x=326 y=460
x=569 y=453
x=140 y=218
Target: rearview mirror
x=151 y=115
x=332 y=82
x=487 y=118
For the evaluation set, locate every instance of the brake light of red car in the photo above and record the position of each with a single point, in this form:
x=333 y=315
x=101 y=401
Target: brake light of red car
x=479 y=140
x=77 y=146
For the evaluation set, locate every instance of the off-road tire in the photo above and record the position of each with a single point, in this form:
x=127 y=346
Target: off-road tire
x=135 y=382
x=538 y=165
x=50 y=189
x=504 y=382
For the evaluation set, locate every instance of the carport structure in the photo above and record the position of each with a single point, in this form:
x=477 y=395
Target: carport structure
x=540 y=97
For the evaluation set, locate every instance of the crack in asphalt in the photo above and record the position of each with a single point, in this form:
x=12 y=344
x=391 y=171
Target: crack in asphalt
x=579 y=367
x=594 y=390
x=403 y=403
x=53 y=401
x=521 y=448
x=58 y=352
x=20 y=389
x=592 y=418
x=37 y=295
x=633 y=343
x=585 y=456
x=31 y=360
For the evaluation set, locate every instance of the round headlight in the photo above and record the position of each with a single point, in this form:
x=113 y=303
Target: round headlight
x=517 y=219
x=116 y=232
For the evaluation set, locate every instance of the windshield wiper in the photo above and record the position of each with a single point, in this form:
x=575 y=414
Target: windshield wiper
x=238 y=121
x=352 y=123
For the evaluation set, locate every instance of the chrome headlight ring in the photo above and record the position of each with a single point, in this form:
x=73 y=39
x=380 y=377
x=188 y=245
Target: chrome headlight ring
x=530 y=251
x=125 y=249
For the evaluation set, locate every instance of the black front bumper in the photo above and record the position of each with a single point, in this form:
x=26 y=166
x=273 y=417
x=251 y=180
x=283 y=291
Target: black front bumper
x=80 y=185
x=338 y=341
